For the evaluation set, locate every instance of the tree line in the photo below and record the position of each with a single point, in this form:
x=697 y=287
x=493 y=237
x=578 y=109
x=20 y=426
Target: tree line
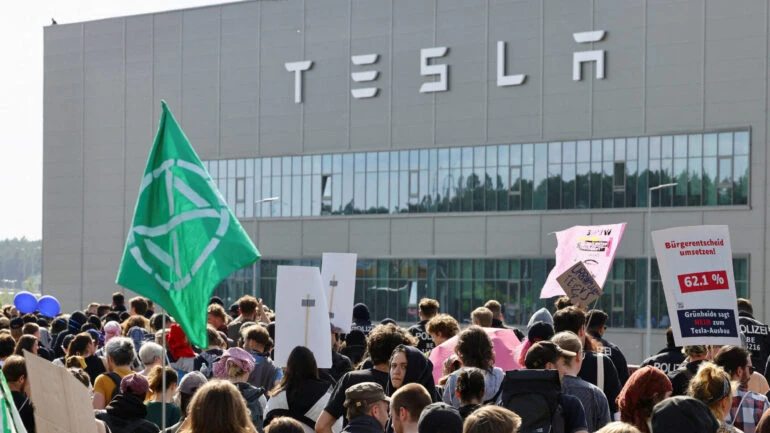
x=20 y=264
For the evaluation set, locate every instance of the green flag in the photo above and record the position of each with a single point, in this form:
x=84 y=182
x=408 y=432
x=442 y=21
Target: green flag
x=184 y=240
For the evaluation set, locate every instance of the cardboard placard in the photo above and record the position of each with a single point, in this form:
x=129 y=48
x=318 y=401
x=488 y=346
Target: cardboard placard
x=300 y=304
x=62 y=403
x=579 y=285
x=696 y=268
x=338 y=274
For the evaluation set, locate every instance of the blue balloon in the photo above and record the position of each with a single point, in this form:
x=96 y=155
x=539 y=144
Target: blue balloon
x=25 y=302
x=48 y=306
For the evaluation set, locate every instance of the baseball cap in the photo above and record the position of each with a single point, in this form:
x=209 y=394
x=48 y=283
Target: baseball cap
x=683 y=415
x=544 y=352
x=440 y=417
x=134 y=384
x=191 y=382
x=365 y=393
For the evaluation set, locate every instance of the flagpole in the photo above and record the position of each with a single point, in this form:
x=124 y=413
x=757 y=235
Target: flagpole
x=163 y=372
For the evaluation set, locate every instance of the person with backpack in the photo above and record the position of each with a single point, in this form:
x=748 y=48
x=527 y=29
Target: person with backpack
x=235 y=365
x=536 y=396
x=594 y=401
x=205 y=360
x=126 y=411
x=302 y=393
x=597 y=367
x=120 y=355
x=474 y=348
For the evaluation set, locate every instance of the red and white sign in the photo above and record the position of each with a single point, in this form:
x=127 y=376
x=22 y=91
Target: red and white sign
x=696 y=268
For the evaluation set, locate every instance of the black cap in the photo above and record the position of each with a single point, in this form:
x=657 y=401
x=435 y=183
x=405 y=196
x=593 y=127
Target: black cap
x=17 y=323
x=216 y=300
x=440 y=417
x=540 y=331
x=683 y=415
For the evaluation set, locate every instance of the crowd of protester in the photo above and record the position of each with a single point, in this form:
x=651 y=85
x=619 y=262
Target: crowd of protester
x=382 y=379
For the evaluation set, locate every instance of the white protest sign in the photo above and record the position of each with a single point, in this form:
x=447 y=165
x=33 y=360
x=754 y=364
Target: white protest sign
x=303 y=315
x=595 y=246
x=62 y=403
x=696 y=268
x=338 y=275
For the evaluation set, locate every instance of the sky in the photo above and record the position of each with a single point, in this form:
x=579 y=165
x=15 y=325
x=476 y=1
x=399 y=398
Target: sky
x=21 y=103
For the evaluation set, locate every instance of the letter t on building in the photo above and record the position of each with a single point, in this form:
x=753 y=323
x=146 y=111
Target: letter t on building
x=580 y=57
x=297 y=68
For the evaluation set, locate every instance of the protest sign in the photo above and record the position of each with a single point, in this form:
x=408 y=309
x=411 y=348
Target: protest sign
x=579 y=285
x=301 y=301
x=696 y=269
x=338 y=274
x=595 y=246
x=62 y=403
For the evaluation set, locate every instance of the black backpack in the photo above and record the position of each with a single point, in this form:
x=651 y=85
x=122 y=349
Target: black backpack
x=534 y=396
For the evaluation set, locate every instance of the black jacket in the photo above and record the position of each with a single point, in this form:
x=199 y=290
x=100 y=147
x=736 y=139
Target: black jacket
x=680 y=379
x=617 y=358
x=364 y=424
x=667 y=360
x=424 y=340
x=125 y=414
x=757 y=339
x=611 y=382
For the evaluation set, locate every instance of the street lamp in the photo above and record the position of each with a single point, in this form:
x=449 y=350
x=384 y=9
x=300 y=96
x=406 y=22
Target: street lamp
x=648 y=337
x=254 y=231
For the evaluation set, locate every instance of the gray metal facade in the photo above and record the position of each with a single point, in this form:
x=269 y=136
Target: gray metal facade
x=671 y=67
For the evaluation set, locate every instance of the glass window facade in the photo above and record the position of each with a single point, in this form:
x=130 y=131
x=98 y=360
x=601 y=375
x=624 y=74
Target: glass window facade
x=461 y=285
x=710 y=169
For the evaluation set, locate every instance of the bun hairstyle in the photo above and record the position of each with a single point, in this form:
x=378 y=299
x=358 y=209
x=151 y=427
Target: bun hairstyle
x=711 y=385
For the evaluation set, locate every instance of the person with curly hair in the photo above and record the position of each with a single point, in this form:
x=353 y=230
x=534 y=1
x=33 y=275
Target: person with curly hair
x=382 y=341
x=474 y=348
x=645 y=388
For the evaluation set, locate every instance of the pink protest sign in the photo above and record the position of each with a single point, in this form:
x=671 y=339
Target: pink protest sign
x=595 y=246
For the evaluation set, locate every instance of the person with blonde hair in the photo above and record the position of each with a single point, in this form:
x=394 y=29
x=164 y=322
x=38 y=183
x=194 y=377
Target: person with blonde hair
x=712 y=386
x=618 y=427
x=218 y=407
x=235 y=365
x=492 y=419
x=482 y=317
